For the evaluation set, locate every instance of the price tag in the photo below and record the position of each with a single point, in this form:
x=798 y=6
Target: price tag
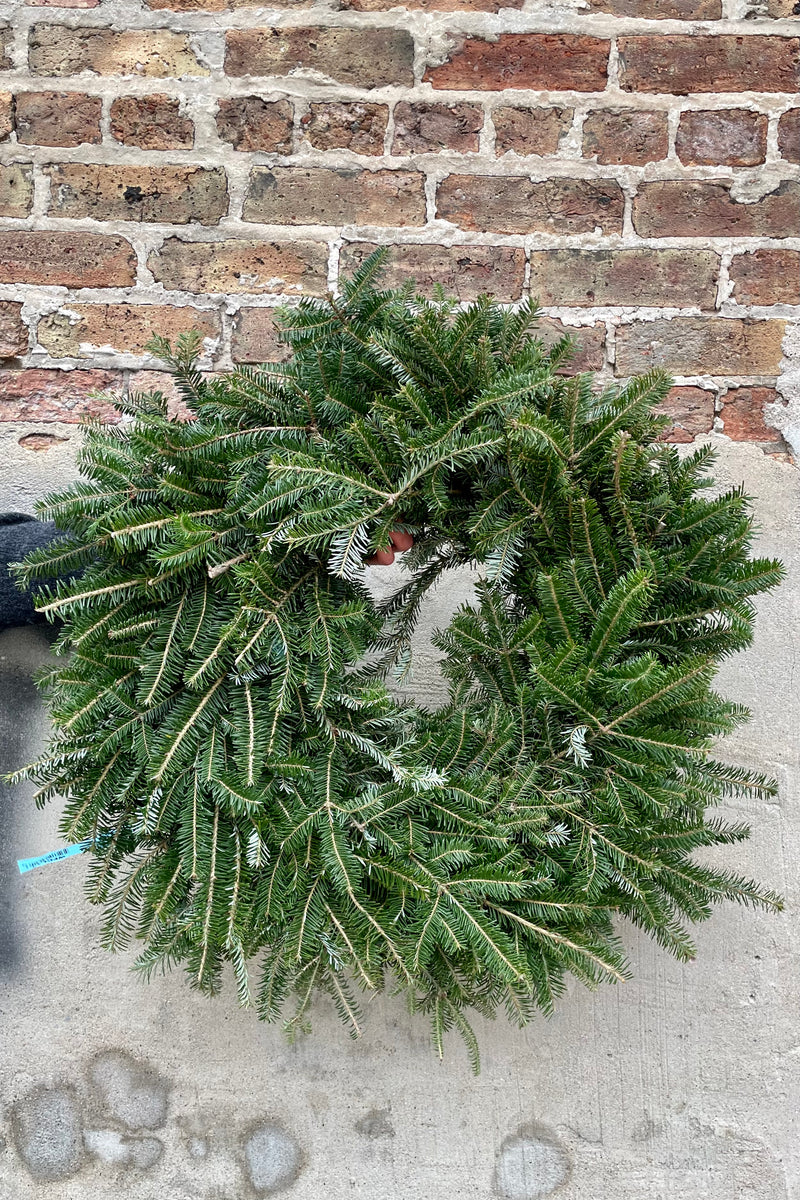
x=29 y=864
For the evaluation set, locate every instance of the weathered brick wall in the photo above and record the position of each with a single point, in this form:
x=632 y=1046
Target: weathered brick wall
x=176 y=164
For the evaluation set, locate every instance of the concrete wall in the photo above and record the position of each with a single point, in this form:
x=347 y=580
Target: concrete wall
x=683 y=1084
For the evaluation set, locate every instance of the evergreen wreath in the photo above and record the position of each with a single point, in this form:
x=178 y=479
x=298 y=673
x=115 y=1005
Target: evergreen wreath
x=223 y=733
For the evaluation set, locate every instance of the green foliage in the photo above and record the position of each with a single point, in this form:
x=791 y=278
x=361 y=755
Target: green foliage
x=223 y=732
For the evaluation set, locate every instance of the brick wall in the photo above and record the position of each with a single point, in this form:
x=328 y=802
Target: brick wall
x=176 y=164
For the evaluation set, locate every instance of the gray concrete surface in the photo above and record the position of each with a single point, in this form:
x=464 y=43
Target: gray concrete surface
x=680 y=1085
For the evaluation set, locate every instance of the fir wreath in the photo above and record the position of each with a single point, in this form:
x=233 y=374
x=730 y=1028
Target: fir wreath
x=222 y=732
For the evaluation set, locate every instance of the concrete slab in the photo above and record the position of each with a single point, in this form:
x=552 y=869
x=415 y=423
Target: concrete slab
x=683 y=1084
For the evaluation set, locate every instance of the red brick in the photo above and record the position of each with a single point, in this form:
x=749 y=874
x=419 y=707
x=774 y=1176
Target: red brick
x=250 y=123
x=618 y=135
x=700 y=346
x=691 y=411
x=57 y=118
x=239 y=265
x=685 y=208
x=206 y=6
x=16 y=190
x=255 y=337
x=589 y=342
x=151 y=122
x=457 y=6
x=677 y=10
x=526 y=131
x=766 y=277
x=318 y=196
x=681 y=63
x=61 y=50
x=743 y=415
x=543 y=61
x=429 y=128
x=735 y=137
x=789 y=135
x=143 y=381
x=658 y=278
x=179 y=195
x=83 y=330
x=463 y=271
x=342 y=125
x=513 y=204
x=782 y=9
x=6 y=115
x=13 y=331
x=366 y=58
x=54 y=395
x=73 y=259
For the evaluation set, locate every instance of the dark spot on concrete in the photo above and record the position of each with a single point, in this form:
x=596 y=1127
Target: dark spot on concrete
x=645 y=1130
x=133 y=195
x=128 y=1091
x=145 y=1152
x=273 y=1159
x=376 y=1124
x=531 y=1164
x=47 y=1133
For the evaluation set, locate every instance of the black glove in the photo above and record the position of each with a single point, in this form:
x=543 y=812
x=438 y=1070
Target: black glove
x=19 y=534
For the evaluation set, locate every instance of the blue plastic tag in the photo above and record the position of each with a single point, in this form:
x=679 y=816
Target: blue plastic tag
x=28 y=864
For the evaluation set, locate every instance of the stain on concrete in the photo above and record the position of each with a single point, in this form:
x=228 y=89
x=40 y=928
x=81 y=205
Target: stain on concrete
x=145 y=1152
x=273 y=1159
x=531 y=1163
x=376 y=1124
x=646 y=1129
x=197 y=1132
x=118 y=1149
x=128 y=1091
x=39 y=441
x=47 y=1133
